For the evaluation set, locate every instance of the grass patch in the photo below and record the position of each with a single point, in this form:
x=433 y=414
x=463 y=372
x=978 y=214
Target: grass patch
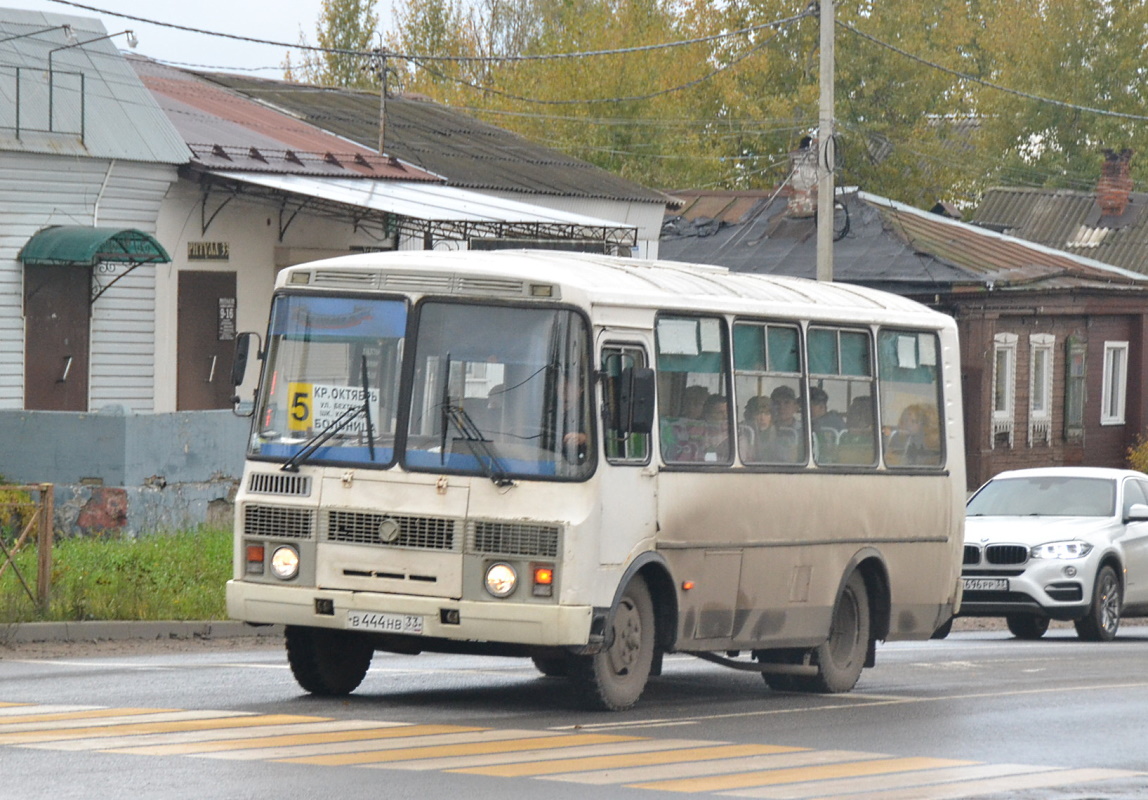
x=177 y=576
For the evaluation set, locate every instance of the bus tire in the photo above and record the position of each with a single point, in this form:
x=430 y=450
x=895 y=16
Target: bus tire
x=841 y=657
x=327 y=662
x=614 y=679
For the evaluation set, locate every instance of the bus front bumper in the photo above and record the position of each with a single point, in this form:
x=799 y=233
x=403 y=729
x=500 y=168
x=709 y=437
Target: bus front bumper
x=443 y=618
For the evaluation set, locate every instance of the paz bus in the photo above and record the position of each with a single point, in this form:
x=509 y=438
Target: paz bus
x=593 y=461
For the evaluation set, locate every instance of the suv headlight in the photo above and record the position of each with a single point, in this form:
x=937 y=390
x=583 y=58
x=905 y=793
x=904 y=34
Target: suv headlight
x=1070 y=549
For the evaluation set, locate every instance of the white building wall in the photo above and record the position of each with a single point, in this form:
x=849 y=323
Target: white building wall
x=250 y=228
x=38 y=190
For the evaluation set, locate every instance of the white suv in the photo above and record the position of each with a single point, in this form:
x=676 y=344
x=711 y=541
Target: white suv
x=1065 y=543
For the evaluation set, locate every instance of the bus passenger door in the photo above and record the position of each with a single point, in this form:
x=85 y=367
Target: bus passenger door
x=627 y=477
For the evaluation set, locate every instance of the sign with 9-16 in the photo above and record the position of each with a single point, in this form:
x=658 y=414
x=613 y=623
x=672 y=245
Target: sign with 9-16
x=314 y=406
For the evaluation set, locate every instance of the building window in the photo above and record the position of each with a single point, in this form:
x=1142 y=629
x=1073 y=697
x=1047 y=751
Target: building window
x=1004 y=389
x=1075 y=359
x=1040 y=389
x=1115 y=383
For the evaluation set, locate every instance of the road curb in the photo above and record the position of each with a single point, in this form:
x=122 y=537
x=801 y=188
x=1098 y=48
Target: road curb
x=95 y=630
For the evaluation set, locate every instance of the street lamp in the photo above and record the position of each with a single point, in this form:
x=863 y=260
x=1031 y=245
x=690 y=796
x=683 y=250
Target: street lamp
x=132 y=42
x=69 y=34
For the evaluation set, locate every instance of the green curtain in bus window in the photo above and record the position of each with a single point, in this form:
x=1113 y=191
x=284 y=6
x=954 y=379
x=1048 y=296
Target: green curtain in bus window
x=748 y=348
x=822 y=352
x=855 y=354
x=783 y=350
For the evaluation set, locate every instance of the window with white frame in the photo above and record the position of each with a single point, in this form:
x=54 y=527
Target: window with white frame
x=1040 y=388
x=1004 y=388
x=1115 y=383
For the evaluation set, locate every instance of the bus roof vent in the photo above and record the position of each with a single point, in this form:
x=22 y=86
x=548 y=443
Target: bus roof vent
x=345 y=278
x=505 y=287
x=417 y=282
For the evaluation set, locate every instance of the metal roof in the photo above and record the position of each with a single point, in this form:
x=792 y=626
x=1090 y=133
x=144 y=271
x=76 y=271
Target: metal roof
x=879 y=243
x=228 y=131
x=1071 y=221
x=76 y=245
x=446 y=211
x=467 y=152
x=90 y=104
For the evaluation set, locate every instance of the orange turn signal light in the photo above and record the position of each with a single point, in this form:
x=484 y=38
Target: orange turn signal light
x=255 y=559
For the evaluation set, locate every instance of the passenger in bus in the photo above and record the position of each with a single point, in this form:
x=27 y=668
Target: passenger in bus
x=755 y=433
x=788 y=445
x=827 y=426
x=683 y=436
x=857 y=444
x=820 y=417
x=917 y=440
x=715 y=439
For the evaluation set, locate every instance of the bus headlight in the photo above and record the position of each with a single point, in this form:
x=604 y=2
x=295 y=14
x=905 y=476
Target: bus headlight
x=501 y=579
x=285 y=562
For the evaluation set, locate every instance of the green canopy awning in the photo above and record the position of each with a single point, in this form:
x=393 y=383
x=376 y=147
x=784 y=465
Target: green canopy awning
x=75 y=245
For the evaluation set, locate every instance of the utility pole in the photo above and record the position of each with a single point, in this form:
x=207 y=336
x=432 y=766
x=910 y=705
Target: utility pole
x=378 y=65
x=826 y=151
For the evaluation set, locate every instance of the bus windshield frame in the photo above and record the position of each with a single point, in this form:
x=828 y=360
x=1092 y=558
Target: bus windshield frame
x=490 y=389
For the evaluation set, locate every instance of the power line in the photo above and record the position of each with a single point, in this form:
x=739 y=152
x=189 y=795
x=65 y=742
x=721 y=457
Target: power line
x=456 y=59
x=779 y=25
x=983 y=82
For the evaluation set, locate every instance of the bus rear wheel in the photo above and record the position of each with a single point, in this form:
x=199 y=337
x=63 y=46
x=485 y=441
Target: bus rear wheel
x=327 y=662
x=614 y=679
x=841 y=657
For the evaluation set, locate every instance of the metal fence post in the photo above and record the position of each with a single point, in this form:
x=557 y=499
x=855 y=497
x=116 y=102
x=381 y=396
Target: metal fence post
x=44 y=546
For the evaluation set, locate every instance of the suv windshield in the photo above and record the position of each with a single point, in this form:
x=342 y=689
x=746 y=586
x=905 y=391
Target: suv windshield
x=500 y=391
x=1044 y=496
x=331 y=380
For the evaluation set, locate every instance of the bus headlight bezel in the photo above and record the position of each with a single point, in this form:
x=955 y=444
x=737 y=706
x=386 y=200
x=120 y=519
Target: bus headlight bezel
x=500 y=580
x=284 y=562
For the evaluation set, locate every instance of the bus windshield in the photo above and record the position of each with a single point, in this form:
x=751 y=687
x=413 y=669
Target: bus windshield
x=500 y=391
x=331 y=381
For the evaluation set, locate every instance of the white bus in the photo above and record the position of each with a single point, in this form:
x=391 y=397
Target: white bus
x=593 y=461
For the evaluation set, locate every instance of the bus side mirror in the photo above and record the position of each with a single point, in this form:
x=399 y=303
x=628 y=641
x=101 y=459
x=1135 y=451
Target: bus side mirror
x=239 y=367
x=242 y=351
x=636 y=400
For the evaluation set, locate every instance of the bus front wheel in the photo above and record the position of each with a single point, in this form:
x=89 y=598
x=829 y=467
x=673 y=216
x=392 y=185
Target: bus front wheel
x=327 y=662
x=613 y=679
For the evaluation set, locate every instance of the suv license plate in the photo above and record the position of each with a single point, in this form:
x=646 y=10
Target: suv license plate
x=986 y=584
x=384 y=623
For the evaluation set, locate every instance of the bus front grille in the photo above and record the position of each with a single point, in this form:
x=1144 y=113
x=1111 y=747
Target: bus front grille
x=513 y=539
x=274 y=522
x=288 y=485
x=390 y=530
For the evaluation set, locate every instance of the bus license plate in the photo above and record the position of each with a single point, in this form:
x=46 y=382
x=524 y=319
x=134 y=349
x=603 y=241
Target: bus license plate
x=986 y=584
x=384 y=623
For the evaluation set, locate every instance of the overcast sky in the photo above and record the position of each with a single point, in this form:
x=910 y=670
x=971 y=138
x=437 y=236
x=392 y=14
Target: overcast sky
x=273 y=20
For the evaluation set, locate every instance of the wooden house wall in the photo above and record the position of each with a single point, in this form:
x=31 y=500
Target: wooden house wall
x=1092 y=321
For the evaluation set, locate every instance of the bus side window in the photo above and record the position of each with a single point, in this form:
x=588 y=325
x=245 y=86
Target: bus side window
x=693 y=381
x=624 y=444
x=909 y=377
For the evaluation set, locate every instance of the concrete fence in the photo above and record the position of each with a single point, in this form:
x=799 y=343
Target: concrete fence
x=124 y=472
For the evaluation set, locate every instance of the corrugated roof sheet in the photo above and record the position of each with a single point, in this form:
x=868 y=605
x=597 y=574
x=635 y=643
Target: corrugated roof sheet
x=1070 y=221
x=226 y=130
x=468 y=153
x=424 y=201
x=879 y=243
x=105 y=114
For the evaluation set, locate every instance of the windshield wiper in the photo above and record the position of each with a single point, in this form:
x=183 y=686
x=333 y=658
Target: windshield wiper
x=367 y=413
x=333 y=427
x=321 y=438
x=480 y=447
